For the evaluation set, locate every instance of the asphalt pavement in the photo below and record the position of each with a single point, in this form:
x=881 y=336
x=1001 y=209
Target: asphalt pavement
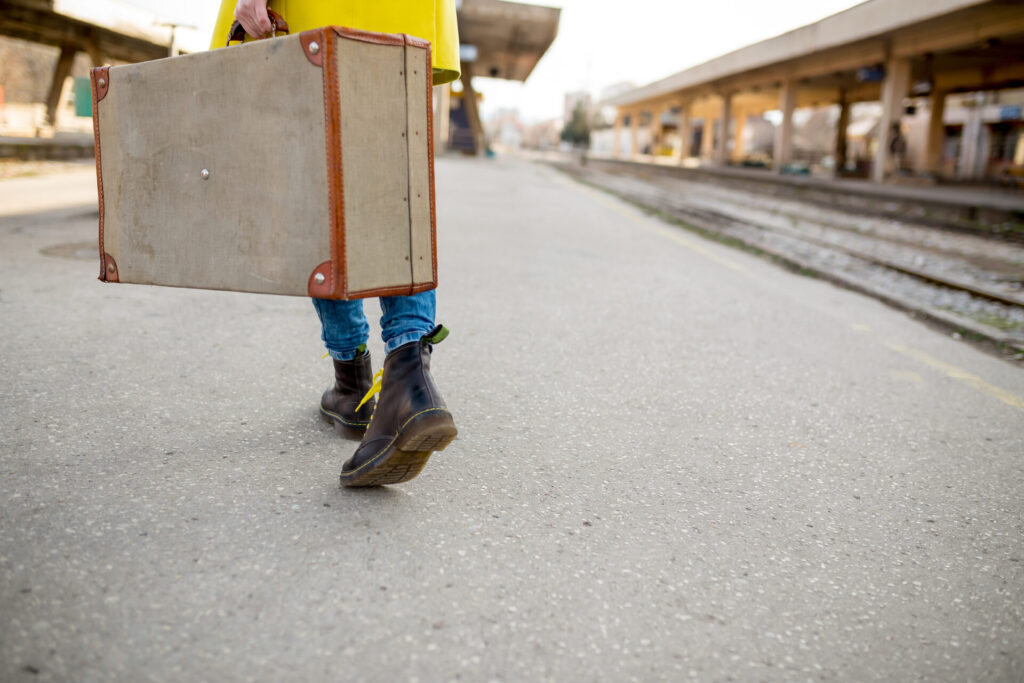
x=675 y=461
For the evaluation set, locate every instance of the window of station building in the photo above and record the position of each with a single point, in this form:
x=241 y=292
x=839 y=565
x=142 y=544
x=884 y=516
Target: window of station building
x=951 y=144
x=1006 y=142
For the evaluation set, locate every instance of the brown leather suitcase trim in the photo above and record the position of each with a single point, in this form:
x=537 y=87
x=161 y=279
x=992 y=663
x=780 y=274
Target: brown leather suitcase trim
x=418 y=42
x=307 y=37
x=425 y=287
x=109 y=268
x=98 y=94
x=328 y=268
x=392 y=291
x=381 y=38
x=430 y=154
x=323 y=290
x=100 y=91
x=335 y=182
x=370 y=36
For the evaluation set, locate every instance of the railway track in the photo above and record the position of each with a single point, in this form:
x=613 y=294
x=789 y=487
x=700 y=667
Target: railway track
x=707 y=218
x=992 y=309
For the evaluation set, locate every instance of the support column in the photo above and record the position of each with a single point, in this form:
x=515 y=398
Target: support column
x=738 y=147
x=617 y=144
x=936 y=134
x=707 y=139
x=894 y=89
x=60 y=73
x=472 y=112
x=783 y=151
x=685 y=131
x=841 y=125
x=722 y=146
x=970 y=141
x=656 y=129
x=707 y=136
x=634 y=125
x=442 y=113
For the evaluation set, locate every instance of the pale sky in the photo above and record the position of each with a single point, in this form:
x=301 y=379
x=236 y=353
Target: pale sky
x=601 y=42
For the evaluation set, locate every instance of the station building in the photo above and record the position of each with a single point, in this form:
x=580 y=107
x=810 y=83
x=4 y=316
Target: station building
x=901 y=88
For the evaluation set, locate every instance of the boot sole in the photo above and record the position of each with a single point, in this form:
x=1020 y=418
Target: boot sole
x=407 y=454
x=348 y=430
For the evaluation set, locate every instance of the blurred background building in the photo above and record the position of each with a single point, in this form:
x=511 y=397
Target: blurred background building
x=47 y=48
x=894 y=90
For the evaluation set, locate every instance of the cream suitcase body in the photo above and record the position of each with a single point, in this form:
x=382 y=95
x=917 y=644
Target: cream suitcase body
x=300 y=165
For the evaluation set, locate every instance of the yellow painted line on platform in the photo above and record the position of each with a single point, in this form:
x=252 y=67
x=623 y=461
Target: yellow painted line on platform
x=675 y=235
x=961 y=375
x=906 y=376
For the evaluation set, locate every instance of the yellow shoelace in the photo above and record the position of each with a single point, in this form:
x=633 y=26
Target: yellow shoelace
x=378 y=379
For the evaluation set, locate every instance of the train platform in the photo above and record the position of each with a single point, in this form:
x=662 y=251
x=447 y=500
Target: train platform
x=971 y=206
x=676 y=461
x=62 y=146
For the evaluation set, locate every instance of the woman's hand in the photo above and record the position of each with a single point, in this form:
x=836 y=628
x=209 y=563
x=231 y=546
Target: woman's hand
x=252 y=15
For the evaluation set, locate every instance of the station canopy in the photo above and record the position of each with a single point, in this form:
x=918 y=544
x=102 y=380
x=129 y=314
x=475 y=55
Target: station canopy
x=505 y=39
x=116 y=30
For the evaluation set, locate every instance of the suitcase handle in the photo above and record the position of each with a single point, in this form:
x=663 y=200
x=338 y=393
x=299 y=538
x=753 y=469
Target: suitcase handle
x=277 y=23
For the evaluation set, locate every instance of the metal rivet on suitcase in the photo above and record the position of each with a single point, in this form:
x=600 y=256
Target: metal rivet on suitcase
x=102 y=82
x=110 y=268
x=205 y=174
x=314 y=47
x=319 y=278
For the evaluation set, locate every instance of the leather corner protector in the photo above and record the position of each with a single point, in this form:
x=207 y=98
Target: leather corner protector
x=309 y=38
x=101 y=81
x=414 y=41
x=321 y=281
x=109 y=269
x=370 y=36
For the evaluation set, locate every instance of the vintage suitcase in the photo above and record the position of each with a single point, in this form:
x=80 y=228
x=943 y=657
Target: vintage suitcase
x=298 y=165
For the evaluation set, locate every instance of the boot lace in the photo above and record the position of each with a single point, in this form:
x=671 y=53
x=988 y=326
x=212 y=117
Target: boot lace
x=378 y=380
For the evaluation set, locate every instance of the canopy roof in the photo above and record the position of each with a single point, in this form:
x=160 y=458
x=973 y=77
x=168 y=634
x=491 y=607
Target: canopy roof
x=90 y=25
x=509 y=37
x=944 y=36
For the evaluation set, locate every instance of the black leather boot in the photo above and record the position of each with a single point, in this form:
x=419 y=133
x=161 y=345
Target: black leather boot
x=352 y=380
x=410 y=421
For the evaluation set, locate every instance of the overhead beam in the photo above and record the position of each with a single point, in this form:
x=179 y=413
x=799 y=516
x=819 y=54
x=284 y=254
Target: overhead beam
x=37 y=24
x=972 y=27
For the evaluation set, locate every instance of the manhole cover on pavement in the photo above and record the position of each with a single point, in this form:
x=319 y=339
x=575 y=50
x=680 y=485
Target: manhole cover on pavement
x=82 y=251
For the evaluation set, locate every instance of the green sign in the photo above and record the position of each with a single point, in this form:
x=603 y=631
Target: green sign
x=83 y=96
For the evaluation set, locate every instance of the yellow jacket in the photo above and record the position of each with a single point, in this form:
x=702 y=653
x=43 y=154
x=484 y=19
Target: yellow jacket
x=433 y=20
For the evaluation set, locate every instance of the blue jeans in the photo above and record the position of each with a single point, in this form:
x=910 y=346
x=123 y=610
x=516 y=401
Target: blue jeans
x=404 y=319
